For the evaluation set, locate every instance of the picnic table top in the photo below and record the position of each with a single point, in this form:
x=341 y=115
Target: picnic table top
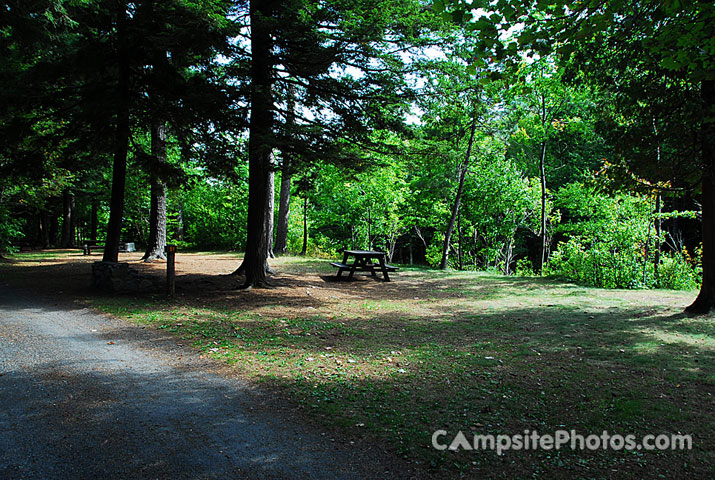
x=365 y=253
x=364 y=263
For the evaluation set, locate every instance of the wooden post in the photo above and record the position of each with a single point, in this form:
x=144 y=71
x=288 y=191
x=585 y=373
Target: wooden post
x=170 y=269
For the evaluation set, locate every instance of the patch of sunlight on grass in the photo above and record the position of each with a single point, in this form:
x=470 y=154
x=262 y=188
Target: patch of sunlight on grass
x=43 y=254
x=701 y=341
x=386 y=306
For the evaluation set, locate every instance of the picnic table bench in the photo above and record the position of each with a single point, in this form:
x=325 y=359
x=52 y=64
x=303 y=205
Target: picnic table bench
x=92 y=245
x=363 y=262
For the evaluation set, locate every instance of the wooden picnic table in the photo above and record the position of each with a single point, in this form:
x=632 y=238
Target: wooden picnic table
x=90 y=245
x=363 y=262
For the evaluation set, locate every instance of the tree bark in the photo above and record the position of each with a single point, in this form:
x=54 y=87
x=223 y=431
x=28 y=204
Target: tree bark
x=68 y=222
x=658 y=228
x=157 y=214
x=45 y=227
x=281 y=246
x=36 y=222
x=459 y=241
x=270 y=207
x=180 y=222
x=704 y=301
x=369 y=228
x=93 y=222
x=121 y=144
x=658 y=221
x=260 y=143
x=54 y=229
x=542 y=179
x=186 y=157
x=508 y=255
x=304 y=250
x=458 y=198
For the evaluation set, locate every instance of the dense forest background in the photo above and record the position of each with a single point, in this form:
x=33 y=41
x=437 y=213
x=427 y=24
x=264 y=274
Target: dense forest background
x=568 y=139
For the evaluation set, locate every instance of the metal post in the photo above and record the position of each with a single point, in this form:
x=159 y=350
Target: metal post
x=170 y=269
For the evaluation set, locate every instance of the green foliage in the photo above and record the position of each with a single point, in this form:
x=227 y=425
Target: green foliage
x=498 y=201
x=10 y=231
x=611 y=241
x=360 y=211
x=215 y=215
x=599 y=263
x=545 y=111
x=676 y=271
x=433 y=255
x=524 y=268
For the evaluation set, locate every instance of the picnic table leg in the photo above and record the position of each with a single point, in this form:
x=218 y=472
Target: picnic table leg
x=358 y=262
x=352 y=270
x=371 y=266
x=384 y=269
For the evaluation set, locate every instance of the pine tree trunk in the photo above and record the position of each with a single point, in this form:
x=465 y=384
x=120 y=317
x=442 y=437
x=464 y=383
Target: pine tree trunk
x=37 y=222
x=157 y=215
x=704 y=301
x=78 y=233
x=54 y=229
x=45 y=226
x=259 y=144
x=93 y=223
x=270 y=207
x=180 y=223
x=458 y=198
x=68 y=230
x=121 y=144
x=281 y=246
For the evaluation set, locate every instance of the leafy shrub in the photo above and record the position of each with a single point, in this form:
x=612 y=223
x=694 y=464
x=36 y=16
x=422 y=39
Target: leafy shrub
x=524 y=268
x=10 y=232
x=676 y=272
x=611 y=241
x=601 y=264
x=215 y=215
x=433 y=255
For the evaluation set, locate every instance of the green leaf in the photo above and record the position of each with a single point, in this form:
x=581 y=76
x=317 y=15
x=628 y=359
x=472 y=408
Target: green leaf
x=670 y=63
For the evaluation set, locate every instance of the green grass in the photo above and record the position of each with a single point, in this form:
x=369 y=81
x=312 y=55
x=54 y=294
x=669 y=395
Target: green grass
x=471 y=352
x=44 y=255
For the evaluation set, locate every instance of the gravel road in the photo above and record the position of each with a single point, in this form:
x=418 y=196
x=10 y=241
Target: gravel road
x=83 y=395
